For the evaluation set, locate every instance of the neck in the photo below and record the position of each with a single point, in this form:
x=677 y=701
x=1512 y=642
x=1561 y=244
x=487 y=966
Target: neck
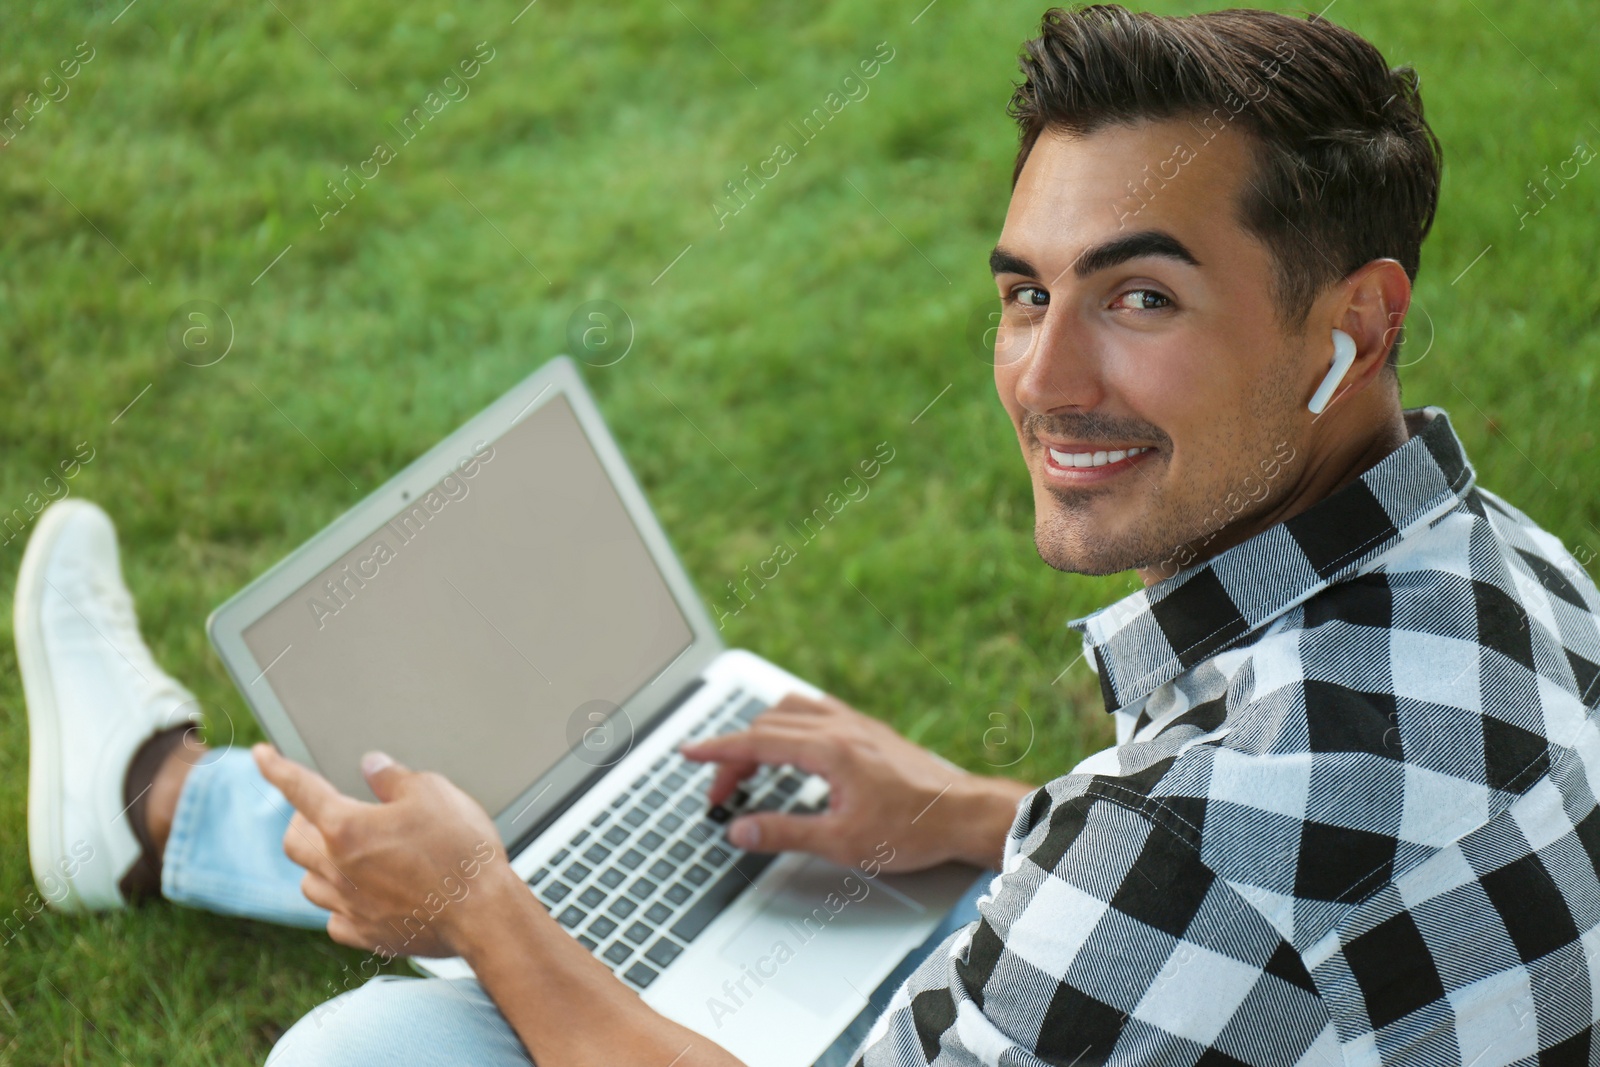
x=1337 y=454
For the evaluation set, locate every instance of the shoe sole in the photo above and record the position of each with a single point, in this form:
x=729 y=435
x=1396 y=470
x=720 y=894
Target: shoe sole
x=46 y=845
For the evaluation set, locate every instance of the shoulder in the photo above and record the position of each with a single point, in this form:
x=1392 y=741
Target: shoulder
x=1330 y=769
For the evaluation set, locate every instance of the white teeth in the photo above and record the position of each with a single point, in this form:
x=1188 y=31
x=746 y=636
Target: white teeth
x=1092 y=459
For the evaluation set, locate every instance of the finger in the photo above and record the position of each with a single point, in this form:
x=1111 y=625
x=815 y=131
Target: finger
x=728 y=777
x=305 y=846
x=322 y=893
x=769 y=832
x=346 y=932
x=794 y=717
x=301 y=786
x=802 y=748
x=385 y=777
x=801 y=704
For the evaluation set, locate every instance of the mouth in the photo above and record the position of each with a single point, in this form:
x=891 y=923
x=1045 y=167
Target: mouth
x=1076 y=464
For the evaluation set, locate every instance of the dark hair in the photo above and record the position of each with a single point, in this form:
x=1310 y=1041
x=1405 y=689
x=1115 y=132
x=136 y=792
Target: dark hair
x=1346 y=169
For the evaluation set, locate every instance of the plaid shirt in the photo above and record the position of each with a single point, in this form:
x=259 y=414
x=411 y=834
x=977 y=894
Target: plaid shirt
x=1350 y=819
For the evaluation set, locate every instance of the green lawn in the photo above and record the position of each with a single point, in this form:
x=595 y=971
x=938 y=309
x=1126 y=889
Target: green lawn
x=788 y=338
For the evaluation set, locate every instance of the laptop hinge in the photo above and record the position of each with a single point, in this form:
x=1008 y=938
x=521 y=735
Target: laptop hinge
x=589 y=780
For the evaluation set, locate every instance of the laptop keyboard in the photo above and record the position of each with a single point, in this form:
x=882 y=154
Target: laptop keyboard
x=652 y=870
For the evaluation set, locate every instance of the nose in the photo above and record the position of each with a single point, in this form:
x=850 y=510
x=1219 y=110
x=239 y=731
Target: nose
x=1057 y=368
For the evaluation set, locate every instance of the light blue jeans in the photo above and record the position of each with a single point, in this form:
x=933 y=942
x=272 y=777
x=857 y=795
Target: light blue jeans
x=225 y=854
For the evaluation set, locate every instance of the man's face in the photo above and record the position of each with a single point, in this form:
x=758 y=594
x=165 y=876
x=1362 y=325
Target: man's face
x=1119 y=352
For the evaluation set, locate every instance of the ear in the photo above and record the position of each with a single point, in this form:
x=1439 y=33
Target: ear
x=1371 y=307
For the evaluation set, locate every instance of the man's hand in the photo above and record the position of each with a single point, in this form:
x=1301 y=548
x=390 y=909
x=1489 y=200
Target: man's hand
x=424 y=873
x=402 y=877
x=882 y=789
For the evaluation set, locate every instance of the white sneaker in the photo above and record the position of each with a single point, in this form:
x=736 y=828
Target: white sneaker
x=94 y=696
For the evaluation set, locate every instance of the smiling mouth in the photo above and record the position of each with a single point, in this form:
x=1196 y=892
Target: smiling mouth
x=1081 y=470
x=1073 y=460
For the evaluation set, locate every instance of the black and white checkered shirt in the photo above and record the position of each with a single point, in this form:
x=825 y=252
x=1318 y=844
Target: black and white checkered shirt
x=1350 y=818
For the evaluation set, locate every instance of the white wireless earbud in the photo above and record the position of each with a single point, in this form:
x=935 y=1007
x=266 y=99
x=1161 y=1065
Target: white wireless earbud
x=1344 y=354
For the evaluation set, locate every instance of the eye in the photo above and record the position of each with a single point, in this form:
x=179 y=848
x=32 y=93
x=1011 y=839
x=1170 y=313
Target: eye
x=1030 y=296
x=1145 y=298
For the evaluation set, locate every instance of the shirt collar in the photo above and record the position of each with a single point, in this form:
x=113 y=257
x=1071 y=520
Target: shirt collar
x=1151 y=636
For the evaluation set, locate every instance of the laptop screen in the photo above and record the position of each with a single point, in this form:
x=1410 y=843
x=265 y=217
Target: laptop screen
x=485 y=629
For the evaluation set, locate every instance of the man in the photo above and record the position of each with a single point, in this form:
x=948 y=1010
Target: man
x=1348 y=818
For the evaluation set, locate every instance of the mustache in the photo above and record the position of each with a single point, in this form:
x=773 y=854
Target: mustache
x=1092 y=427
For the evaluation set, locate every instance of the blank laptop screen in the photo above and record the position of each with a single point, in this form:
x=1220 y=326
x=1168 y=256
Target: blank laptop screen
x=477 y=632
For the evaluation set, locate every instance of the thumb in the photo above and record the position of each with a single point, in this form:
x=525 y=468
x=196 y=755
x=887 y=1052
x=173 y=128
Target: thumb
x=773 y=832
x=384 y=776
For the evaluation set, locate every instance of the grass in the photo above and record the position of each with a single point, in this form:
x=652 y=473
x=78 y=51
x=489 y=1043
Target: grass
x=795 y=335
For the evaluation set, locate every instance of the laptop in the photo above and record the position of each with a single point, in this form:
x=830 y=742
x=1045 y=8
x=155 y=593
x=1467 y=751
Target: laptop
x=507 y=611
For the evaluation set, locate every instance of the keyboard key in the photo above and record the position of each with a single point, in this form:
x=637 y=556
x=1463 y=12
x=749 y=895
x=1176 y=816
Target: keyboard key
x=638 y=783
x=556 y=892
x=611 y=877
x=650 y=840
x=558 y=857
x=714 y=856
x=571 y=916
x=662 y=869
x=674 y=780
x=696 y=874
x=657 y=913
x=598 y=819
x=631 y=858
x=788 y=784
x=619 y=800
x=654 y=799
x=576 y=873
x=680 y=851
x=591 y=897
x=641 y=888
x=588 y=942
x=637 y=933
x=596 y=852
x=659 y=763
x=635 y=816
x=579 y=838
x=640 y=975
x=616 y=835
x=619 y=951
x=751 y=709
x=601 y=926
x=622 y=907
x=670 y=821
x=677 y=892
x=663 y=952
x=538 y=876
x=720 y=893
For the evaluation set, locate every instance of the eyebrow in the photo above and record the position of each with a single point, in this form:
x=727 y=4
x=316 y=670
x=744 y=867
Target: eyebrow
x=1103 y=256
